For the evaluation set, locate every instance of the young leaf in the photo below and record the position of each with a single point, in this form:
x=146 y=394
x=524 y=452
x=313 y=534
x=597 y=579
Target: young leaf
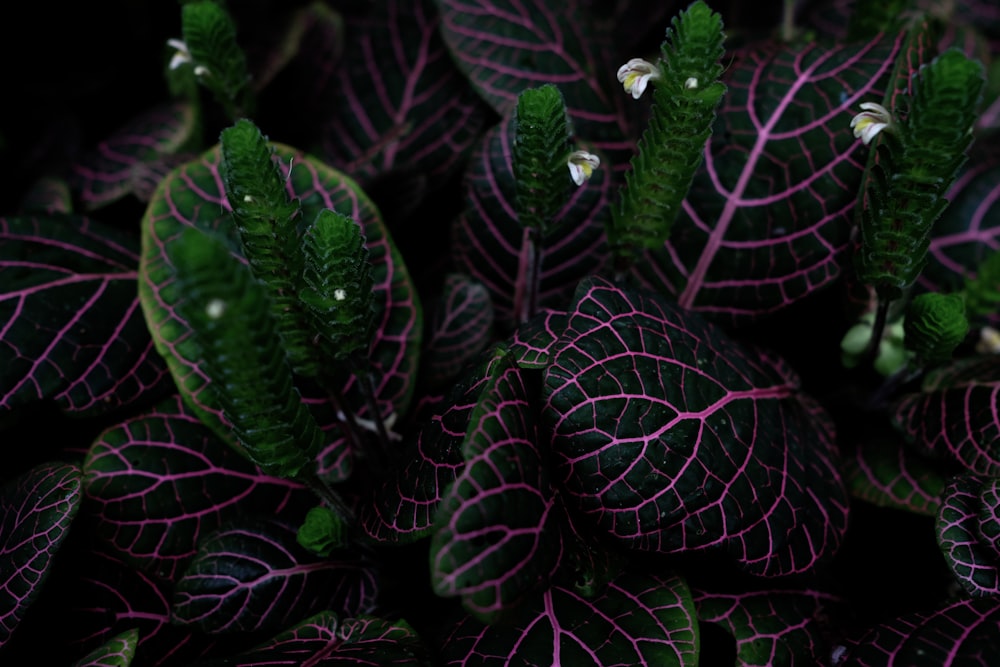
x=219 y=63
x=252 y=576
x=321 y=532
x=498 y=534
x=672 y=437
x=982 y=293
x=72 y=331
x=265 y=217
x=230 y=318
x=36 y=510
x=336 y=290
x=685 y=96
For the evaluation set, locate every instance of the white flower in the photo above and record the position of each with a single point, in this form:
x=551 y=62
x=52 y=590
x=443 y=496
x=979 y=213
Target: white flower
x=582 y=165
x=870 y=122
x=636 y=74
x=182 y=56
x=691 y=83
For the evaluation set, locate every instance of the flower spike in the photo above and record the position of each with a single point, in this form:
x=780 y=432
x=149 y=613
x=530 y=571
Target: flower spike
x=870 y=122
x=582 y=165
x=636 y=74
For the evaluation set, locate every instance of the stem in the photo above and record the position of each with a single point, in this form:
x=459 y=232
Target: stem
x=367 y=388
x=788 y=21
x=529 y=276
x=328 y=496
x=350 y=426
x=878 y=329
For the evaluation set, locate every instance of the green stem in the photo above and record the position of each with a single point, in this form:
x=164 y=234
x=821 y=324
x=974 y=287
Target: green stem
x=332 y=499
x=529 y=273
x=788 y=21
x=878 y=329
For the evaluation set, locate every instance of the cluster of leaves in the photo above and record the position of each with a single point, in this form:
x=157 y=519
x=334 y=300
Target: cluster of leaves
x=325 y=359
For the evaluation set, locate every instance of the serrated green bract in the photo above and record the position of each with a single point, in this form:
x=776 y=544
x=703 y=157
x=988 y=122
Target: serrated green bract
x=336 y=287
x=541 y=144
x=322 y=531
x=230 y=319
x=935 y=325
x=210 y=36
x=917 y=163
x=982 y=293
x=671 y=149
x=264 y=216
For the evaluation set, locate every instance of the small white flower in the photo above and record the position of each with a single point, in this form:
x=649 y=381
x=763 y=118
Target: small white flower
x=691 y=83
x=636 y=74
x=582 y=165
x=340 y=294
x=182 y=55
x=989 y=341
x=215 y=308
x=870 y=122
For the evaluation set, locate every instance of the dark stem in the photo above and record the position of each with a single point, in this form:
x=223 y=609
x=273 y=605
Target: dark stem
x=350 y=425
x=529 y=276
x=878 y=329
x=367 y=388
x=330 y=497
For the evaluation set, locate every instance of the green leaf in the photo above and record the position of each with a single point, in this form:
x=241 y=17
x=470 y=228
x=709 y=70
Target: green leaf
x=982 y=293
x=219 y=63
x=887 y=473
x=230 y=318
x=685 y=97
x=336 y=290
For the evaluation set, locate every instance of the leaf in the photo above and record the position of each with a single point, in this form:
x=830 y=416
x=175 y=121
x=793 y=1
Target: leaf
x=192 y=196
x=504 y=47
x=116 y=652
x=461 y=328
x=969 y=229
x=328 y=640
x=671 y=437
x=108 y=598
x=966 y=632
x=72 y=330
x=771 y=628
x=954 y=416
x=123 y=163
x=885 y=472
x=161 y=480
x=488 y=238
x=533 y=342
x=251 y=575
x=498 y=529
x=397 y=100
x=636 y=620
x=965 y=523
x=36 y=509
x=401 y=509
x=768 y=216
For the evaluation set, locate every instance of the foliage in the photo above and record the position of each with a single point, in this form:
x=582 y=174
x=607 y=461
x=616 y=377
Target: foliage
x=414 y=333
